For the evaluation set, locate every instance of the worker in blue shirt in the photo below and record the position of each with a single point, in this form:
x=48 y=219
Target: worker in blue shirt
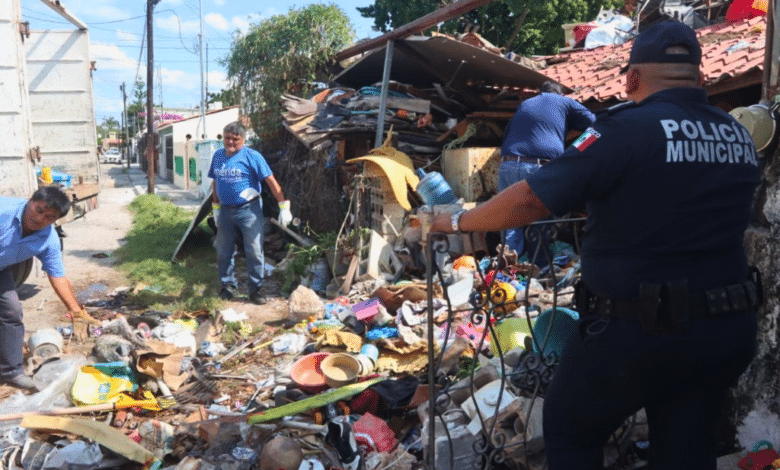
x=26 y=231
x=667 y=301
x=534 y=136
x=238 y=172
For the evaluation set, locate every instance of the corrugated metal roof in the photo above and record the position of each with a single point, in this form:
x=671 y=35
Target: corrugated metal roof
x=423 y=61
x=729 y=50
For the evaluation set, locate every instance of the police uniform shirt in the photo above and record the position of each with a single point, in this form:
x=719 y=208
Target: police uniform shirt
x=238 y=178
x=668 y=185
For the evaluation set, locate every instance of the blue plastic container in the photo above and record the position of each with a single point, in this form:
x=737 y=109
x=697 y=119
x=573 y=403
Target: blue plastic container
x=434 y=189
x=564 y=324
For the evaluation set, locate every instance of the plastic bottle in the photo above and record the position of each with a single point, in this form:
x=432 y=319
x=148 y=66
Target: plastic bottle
x=434 y=189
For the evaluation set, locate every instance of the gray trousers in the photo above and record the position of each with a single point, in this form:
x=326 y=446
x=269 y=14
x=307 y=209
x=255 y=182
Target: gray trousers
x=11 y=327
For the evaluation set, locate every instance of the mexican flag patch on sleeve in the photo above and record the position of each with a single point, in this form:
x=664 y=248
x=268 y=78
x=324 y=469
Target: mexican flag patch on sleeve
x=588 y=137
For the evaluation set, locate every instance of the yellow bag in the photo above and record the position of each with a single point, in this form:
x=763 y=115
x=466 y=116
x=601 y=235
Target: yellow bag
x=102 y=383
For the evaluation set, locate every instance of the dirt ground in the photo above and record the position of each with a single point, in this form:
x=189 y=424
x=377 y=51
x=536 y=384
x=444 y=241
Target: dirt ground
x=90 y=267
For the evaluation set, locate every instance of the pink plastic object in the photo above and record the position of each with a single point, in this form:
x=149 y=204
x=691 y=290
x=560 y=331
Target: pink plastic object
x=373 y=432
x=471 y=334
x=307 y=373
x=365 y=311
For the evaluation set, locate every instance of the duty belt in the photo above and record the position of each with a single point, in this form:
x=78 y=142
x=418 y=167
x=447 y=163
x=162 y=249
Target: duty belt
x=524 y=159
x=666 y=308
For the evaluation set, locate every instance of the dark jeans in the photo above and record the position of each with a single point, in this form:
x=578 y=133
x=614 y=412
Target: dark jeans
x=11 y=327
x=613 y=369
x=248 y=220
x=509 y=173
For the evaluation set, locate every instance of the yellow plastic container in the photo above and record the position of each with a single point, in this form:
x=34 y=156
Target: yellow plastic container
x=509 y=334
x=46 y=175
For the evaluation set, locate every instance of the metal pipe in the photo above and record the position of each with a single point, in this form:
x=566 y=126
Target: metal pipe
x=769 y=79
x=380 y=124
x=420 y=24
x=431 y=457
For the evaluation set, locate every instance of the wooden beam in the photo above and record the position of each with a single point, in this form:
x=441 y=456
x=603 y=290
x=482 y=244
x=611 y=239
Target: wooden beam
x=754 y=77
x=432 y=19
x=56 y=6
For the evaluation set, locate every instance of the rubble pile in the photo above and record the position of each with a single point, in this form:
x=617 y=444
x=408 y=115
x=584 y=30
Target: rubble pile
x=343 y=383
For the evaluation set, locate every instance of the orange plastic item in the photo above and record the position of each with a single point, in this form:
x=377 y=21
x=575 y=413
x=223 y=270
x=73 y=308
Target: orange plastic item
x=465 y=262
x=307 y=373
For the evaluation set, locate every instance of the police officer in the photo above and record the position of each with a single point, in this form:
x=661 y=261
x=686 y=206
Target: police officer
x=668 y=301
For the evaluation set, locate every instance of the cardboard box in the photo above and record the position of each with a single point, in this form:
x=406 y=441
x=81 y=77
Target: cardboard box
x=472 y=172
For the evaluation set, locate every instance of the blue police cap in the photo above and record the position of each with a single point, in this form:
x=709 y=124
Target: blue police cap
x=651 y=44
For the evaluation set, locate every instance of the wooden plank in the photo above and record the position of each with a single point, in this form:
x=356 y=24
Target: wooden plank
x=409 y=104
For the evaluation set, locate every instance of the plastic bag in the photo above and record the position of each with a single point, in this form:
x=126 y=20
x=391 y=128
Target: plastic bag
x=57 y=377
x=373 y=432
x=102 y=383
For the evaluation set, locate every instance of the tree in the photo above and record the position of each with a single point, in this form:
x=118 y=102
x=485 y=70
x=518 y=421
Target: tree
x=283 y=54
x=539 y=21
x=135 y=122
x=227 y=97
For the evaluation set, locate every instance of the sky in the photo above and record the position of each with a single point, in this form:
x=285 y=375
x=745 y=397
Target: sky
x=117 y=29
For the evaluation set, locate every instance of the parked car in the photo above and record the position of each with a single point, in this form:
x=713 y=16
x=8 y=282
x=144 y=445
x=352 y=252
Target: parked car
x=112 y=155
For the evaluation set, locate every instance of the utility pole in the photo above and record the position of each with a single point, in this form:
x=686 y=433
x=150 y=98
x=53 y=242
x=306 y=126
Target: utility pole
x=150 y=140
x=125 y=151
x=202 y=97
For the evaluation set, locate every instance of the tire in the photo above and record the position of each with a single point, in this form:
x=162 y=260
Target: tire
x=21 y=271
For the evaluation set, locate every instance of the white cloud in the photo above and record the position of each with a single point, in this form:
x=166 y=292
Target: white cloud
x=243 y=23
x=219 y=3
x=217 y=21
x=173 y=23
x=217 y=81
x=110 y=57
x=127 y=36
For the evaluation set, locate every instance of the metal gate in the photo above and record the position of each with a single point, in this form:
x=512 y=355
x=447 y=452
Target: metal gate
x=504 y=429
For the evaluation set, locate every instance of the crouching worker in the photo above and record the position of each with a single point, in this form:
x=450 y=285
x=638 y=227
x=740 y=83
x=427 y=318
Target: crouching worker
x=25 y=231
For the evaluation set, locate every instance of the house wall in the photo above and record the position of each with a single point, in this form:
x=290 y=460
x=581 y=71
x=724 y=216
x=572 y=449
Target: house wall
x=186 y=153
x=160 y=166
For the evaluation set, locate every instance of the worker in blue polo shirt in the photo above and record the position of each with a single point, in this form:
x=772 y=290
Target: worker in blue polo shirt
x=26 y=231
x=667 y=300
x=238 y=172
x=534 y=136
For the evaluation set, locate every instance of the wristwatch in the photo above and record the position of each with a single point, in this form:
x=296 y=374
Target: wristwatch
x=456 y=220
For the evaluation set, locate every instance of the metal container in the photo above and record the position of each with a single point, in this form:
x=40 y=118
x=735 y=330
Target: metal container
x=45 y=342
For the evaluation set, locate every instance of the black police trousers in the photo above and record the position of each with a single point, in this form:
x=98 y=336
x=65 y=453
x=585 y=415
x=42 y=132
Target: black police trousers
x=613 y=369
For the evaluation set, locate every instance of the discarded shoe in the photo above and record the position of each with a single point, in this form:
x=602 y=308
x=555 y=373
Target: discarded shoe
x=228 y=292
x=258 y=298
x=20 y=381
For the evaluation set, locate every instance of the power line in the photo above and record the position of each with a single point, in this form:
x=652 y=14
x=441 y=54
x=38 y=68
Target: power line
x=155 y=48
x=178 y=21
x=118 y=21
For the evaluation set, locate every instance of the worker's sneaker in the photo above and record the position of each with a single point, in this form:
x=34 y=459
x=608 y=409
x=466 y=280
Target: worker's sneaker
x=258 y=298
x=228 y=292
x=20 y=381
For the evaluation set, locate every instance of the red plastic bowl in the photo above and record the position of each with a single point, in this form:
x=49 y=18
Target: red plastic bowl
x=306 y=372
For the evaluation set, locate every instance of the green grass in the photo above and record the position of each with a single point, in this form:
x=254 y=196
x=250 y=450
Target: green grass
x=190 y=284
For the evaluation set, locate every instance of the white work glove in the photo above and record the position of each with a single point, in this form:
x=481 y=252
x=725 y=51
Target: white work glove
x=285 y=216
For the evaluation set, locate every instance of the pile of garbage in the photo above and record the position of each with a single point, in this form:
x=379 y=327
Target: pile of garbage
x=343 y=384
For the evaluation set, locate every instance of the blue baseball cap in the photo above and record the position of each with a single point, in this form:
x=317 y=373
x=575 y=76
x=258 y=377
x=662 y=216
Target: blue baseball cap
x=651 y=44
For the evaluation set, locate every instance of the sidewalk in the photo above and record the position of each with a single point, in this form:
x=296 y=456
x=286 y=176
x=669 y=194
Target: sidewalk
x=185 y=198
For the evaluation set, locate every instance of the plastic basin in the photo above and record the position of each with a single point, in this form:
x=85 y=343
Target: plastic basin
x=340 y=369
x=306 y=372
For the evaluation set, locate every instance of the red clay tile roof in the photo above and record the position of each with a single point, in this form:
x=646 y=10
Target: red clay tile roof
x=594 y=74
